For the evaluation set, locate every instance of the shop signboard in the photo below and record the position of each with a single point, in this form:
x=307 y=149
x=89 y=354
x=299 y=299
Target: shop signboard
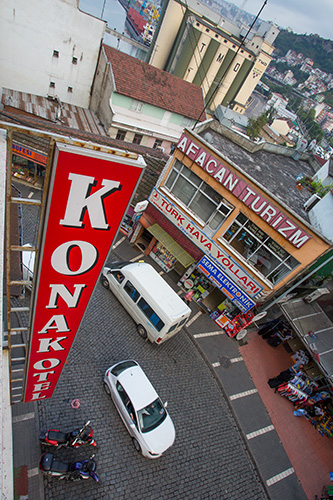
x=245 y=192
x=88 y=196
x=29 y=154
x=226 y=286
x=233 y=270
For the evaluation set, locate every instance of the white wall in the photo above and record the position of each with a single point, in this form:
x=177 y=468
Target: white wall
x=29 y=33
x=321 y=216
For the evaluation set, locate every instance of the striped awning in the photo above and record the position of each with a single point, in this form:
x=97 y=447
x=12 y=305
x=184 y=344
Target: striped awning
x=171 y=245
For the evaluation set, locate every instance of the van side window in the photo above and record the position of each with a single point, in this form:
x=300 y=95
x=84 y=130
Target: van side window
x=151 y=314
x=118 y=275
x=132 y=292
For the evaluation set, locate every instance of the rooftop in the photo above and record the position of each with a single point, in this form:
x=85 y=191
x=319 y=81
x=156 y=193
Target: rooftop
x=145 y=83
x=275 y=172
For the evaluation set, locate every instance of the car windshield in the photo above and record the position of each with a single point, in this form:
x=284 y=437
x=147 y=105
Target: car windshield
x=122 y=366
x=151 y=416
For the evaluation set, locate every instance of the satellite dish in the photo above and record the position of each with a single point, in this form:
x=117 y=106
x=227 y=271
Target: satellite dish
x=240 y=335
x=259 y=316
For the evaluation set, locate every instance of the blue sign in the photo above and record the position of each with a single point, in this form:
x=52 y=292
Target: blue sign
x=226 y=286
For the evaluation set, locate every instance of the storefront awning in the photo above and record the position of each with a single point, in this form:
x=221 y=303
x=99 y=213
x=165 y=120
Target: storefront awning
x=176 y=250
x=315 y=329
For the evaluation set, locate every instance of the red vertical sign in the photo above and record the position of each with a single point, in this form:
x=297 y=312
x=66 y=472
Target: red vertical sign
x=89 y=194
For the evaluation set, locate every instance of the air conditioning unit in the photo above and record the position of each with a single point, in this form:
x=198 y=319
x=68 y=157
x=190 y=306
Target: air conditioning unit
x=311 y=202
x=315 y=295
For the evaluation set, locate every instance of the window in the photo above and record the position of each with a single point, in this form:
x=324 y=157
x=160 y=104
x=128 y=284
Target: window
x=70 y=90
x=118 y=276
x=137 y=139
x=121 y=135
x=132 y=292
x=74 y=60
x=52 y=85
x=151 y=416
x=56 y=53
x=157 y=143
x=151 y=314
x=206 y=203
x=127 y=402
x=136 y=106
x=263 y=253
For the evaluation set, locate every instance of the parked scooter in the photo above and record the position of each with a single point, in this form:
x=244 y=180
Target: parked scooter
x=73 y=439
x=72 y=471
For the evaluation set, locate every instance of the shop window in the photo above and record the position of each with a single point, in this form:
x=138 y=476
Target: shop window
x=137 y=139
x=259 y=250
x=157 y=143
x=121 y=135
x=196 y=195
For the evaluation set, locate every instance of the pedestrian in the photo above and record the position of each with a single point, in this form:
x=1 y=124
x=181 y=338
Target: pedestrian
x=188 y=296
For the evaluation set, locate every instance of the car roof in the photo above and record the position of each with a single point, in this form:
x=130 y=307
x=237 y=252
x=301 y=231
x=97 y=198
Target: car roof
x=137 y=386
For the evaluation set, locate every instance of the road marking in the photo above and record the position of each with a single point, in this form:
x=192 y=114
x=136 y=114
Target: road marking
x=243 y=394
x=30 y=195
x=194 y=318
x=33 y=472
x=21 y=418
x=259 y=432
x=236 y=360
x=280 y=476
x=161 y=272
x=119 y=242
x=232 y=360
x=137 y=257
x=208 y=334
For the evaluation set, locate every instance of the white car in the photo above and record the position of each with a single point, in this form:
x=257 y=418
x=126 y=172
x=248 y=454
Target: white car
x=142 y=411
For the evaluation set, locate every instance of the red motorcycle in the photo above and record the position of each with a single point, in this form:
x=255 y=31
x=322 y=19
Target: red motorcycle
x=72 y=439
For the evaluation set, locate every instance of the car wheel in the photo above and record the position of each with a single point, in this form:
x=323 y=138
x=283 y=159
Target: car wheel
x=136 y=445
x=141 y=331
x=107 y=389
x=105 y=283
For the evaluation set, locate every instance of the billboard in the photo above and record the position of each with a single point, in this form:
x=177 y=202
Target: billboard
x=88 y=196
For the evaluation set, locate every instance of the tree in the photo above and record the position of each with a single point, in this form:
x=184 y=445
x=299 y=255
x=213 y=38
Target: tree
x=254 y=126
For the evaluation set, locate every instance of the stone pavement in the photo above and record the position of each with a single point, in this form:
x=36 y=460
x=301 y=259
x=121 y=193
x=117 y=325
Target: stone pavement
x=225 y=446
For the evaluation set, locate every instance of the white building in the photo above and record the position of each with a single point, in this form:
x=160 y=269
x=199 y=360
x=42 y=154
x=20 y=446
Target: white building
x=51 y=48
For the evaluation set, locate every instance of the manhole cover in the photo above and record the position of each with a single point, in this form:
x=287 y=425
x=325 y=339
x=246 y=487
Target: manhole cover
x=225 y=362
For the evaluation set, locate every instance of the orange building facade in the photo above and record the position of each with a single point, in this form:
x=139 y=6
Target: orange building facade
x=228 y=238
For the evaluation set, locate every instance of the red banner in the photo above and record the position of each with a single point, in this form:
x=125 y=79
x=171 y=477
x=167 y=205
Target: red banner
x=88 y=197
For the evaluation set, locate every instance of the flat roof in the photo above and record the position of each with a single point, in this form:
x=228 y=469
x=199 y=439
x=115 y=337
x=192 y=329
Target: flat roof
x=274 y=172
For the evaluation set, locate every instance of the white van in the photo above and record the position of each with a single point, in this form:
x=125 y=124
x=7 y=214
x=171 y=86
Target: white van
x=155 y=307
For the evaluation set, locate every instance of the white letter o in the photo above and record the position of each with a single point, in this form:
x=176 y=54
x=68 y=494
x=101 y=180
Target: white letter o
x=59 y=259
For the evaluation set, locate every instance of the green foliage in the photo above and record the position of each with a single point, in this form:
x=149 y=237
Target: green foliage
x=313 y=46
x=299 y=75
x=254 y=126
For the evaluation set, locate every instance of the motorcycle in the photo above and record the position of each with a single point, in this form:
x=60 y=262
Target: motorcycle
x=71 y=471
x=73 y=439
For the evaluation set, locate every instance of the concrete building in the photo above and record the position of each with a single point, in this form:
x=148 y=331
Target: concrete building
x=202 y=47
x=225 y=221
x=51 y=49
x=139 y=103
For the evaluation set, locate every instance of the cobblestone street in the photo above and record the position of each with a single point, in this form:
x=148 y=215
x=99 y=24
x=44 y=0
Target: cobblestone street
x=208 y=459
